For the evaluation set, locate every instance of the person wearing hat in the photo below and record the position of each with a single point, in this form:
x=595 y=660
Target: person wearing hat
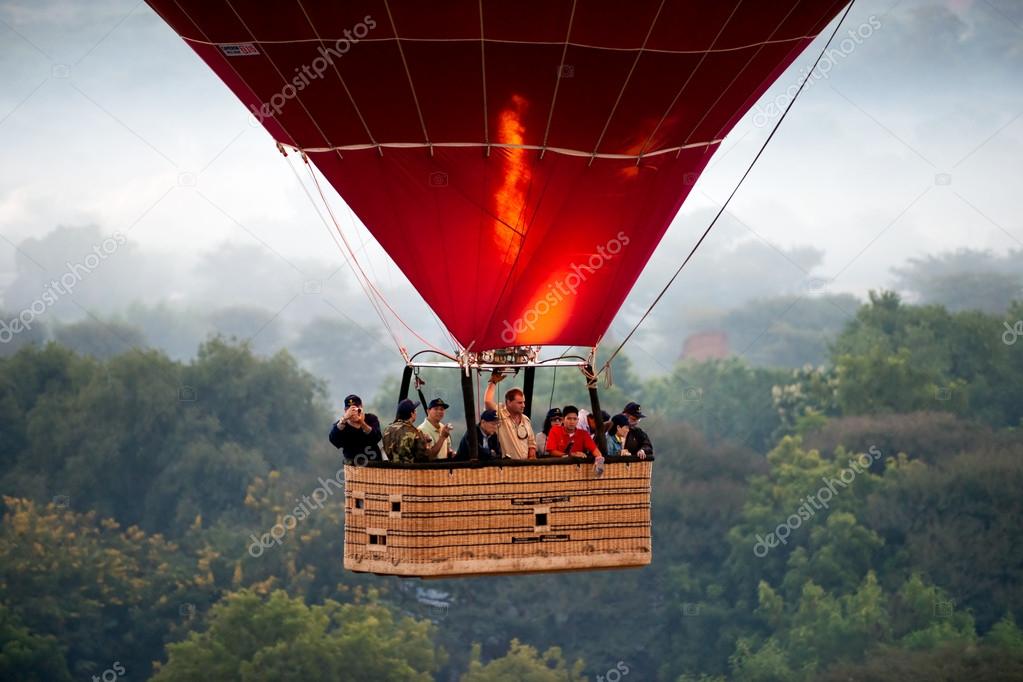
x=403 y=442
x=438 y=434
x=569 y=440
x=553 y=419
x=357 y=434
x=638 y=443
x=488 y=444
x=516 y=431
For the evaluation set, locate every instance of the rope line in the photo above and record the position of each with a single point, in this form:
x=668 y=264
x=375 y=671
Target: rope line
x=607 y=364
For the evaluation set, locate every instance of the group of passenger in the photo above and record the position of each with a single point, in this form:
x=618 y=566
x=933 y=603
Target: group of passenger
x=504 y=431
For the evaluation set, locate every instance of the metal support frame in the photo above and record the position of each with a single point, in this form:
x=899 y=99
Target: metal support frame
x=600 y=437
x=527 y=389
x=406 y=381
x=470 y=415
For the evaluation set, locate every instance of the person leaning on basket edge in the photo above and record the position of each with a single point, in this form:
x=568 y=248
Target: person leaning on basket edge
x=488 y=446
x=514 y=431
x=637 y=442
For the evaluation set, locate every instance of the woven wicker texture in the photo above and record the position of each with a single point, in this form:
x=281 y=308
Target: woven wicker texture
x=493 y=519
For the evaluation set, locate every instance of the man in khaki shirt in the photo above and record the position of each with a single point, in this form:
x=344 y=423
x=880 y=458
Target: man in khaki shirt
x=437 y=433
x=515 y=432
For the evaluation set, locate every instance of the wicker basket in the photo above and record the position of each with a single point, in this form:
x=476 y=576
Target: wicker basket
x=449 y=520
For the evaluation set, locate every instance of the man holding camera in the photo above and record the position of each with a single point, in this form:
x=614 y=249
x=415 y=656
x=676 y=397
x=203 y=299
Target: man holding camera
x=437 y=433
x=357 y=434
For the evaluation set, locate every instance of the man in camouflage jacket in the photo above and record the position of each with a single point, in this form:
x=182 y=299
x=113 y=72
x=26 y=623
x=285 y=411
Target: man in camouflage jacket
x=402 y=441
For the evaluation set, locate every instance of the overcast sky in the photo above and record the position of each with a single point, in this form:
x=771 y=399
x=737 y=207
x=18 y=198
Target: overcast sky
x=912 y=145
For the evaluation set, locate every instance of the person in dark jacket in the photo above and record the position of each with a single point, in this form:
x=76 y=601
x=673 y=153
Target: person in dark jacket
x=638 y=443
x=488 y=445
x=357 y=434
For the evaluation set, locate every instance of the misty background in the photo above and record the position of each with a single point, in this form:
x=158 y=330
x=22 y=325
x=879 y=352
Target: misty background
x=892 y=172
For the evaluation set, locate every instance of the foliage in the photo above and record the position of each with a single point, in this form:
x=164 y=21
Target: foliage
x=523 y=663
x=279 y=638
x=110 y=594
x=140 y=484
x=724 y=399
x=897 y=358
x=964 y=280
x=28 y=656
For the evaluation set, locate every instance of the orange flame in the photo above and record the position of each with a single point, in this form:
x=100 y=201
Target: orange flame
x=510 y=197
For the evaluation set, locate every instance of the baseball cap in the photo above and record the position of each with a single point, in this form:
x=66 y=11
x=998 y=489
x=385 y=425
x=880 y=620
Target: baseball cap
x=633 y=409
x=406 y=408
x=488 y=416
x=438 y=402
x=353 y=400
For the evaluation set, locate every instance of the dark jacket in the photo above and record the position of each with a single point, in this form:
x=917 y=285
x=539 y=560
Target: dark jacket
x=489 y=447
x=638 y=440
x=353 y=441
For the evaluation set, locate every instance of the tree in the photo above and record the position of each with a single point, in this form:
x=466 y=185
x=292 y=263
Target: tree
x=722 y=399
x=898 y=358
x=523 y=663
x=27 y=656
x=251 y=638
x=964 y=280
x=100 y=339
x=108 y=594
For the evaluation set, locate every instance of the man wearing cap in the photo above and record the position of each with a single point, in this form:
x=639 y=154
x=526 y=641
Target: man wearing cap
x=515 y=431
x=487 y=443
x=356 y=434
x=638 y=442
x=403 y=442
x=438 y=434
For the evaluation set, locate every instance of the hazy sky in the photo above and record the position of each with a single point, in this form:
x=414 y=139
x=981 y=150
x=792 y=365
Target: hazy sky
x=912 y=144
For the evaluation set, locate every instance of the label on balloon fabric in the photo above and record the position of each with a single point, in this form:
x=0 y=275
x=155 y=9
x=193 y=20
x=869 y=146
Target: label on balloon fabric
x=239 y=49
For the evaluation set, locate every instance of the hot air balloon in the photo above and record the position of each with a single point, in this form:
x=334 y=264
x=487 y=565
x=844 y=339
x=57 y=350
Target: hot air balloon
x=547 y=144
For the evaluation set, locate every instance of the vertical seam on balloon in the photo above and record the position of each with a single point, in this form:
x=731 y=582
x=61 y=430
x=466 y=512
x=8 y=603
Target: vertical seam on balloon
x=344 y=85
x=625 y=85
x=483 y=175
x=736 y=77
x=284 y=79
x=692 y=74
x=408 y=74
x=483 y=73
x=557 y=79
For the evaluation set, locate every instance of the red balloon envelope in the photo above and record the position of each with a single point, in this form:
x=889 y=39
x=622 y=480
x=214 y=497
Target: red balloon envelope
x=519 y=161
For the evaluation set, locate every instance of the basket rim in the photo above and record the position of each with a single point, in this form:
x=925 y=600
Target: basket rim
x=501 y=463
